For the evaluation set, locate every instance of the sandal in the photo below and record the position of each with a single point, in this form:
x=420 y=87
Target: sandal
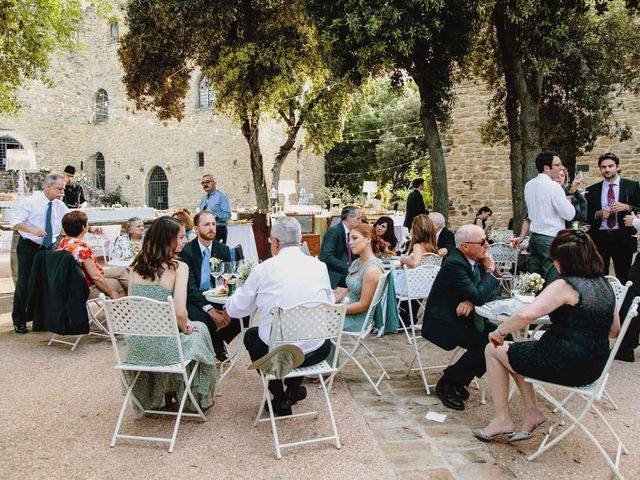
x=480 y=434
x=520 y=436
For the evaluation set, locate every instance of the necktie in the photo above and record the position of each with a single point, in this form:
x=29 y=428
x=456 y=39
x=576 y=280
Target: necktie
x=48 y=239
x=611 y=199
x=476 y=273
x=348 y=250
x=205 y=271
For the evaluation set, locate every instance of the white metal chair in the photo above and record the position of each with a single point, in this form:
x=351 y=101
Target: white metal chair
x=501 y=235
x=590 y=394
x=145 y=317
x=505 y=257
x=306 y=321
x=358 y=339
x=431 y=259
x=94 y=311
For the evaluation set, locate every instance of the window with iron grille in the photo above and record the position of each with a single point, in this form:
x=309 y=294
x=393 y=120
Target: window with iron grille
x=200 y=159
x=102 y=106
x=100 y=171
x=114 y=31
x=7 y=143
x=206 y=96
x=158 y=196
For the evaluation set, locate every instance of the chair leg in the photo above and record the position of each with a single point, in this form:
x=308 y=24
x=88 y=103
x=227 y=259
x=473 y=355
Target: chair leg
x=608 y=397
x=124 y=407
x=420 y=365
x=351 y=356
x=330 y=411
x=402 y=325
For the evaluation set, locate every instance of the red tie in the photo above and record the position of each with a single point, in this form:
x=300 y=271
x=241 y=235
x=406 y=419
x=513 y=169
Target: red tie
x=348 y=250
x=611 y=199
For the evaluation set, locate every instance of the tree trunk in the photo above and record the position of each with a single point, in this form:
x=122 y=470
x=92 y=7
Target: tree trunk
x=250 y=130
x=283 y=152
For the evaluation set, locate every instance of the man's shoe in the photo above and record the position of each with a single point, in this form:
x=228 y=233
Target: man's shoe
x=222 y=355
x=448 y=395
x=20 y=328
x=295 y=396
x=626 y=355
x=462 y=391
x=281 y=408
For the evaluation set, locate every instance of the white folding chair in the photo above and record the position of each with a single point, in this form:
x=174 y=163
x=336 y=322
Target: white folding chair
x=431 y=259
x=358 y=339
x=94 y=311
x=505 y=257
x=145 y=317
x=590 y=394
x=308 y=321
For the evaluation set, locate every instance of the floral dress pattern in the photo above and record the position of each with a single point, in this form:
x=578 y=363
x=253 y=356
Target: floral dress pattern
x=124 y=248
x=81 y=252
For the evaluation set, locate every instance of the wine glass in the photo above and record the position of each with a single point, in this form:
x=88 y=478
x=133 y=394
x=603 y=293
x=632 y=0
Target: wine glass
x=516 y=286
x=238 y=267
x=227 y=270
x=216 y=272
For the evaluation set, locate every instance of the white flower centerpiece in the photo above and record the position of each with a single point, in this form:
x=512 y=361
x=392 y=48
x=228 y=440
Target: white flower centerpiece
x=245 y=270
x=528 y=283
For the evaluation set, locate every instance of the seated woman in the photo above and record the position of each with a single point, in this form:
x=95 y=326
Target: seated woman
x=128 y=245
x=483 y=215
x=423 y=240
x=385 y=230
x=184 y=216
x=573 y=352
x=111 y=281
x=362 y=279
x=157 y=273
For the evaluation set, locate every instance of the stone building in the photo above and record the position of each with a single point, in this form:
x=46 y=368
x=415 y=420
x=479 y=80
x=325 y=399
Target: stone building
x=86 y=120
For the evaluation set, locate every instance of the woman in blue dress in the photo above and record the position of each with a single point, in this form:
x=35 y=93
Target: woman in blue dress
x=157 y=274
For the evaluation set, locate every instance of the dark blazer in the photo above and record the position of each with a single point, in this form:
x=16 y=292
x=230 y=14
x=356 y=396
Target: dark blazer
x=454 y=284
x=446 y=240
x=192 y=256
x=57 y=296
x=334 y=253
x=415 y=207
x=629 y=194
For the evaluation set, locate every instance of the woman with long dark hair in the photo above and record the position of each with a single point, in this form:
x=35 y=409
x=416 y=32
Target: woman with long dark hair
x=385 y=230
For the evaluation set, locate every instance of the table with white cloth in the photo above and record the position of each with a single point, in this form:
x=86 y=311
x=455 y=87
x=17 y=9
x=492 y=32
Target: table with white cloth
x=501 y=310
x=242 y=234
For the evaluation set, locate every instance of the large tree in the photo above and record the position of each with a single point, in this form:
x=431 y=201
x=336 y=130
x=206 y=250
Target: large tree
x=428 y=39
x=261 y=56
x=32 y=30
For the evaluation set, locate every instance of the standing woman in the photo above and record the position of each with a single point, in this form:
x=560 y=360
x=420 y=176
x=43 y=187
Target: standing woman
x=423 y=240
x=385 y=230
x=157 y=274
x=571 y=191
x=128 y=245
x=481 y=218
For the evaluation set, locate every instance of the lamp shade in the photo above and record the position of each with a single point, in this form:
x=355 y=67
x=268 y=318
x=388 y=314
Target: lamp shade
x=21 y=159
x=286 y=187
x=370 y=187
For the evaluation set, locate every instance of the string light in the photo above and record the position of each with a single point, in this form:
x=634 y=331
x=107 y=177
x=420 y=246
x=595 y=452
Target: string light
x=395 y=167
x=370 y=140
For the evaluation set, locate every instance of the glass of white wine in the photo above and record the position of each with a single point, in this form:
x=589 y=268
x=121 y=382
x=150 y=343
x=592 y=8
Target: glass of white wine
x=216 y=272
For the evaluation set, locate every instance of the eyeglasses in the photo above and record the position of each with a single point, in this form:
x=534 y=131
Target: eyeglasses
x=206 y=182
x=482 y=242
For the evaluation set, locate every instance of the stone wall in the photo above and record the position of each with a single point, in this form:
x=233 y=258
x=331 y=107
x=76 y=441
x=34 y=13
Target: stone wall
x=59 y=125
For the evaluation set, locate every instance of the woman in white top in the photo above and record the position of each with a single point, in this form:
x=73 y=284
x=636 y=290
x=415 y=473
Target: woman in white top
x=128 y=245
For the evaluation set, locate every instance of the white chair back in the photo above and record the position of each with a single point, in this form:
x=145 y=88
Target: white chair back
x=432 y=259
x=505 y=256
x=619 y=289
x=500 y=235
x=378 y=296
x=420 y=280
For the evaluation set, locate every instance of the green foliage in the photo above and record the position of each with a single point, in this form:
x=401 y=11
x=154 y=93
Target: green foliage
x=32 y=31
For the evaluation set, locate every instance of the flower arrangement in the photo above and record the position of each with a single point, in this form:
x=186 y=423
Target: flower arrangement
x=213 y=261
x=529 y=283
x=245 y=269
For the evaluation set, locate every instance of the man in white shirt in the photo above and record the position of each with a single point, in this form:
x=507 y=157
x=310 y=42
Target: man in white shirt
x=39 y=220
x=288 y=278
x=548 y=209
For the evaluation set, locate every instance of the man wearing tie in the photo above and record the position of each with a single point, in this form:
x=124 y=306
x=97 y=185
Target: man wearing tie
x=607 y=204
x=335 y=250
x=38 y=219
x=197 y=254
x=217 y=203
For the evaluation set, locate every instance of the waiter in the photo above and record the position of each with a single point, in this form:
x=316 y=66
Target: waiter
x=73 y=193
x=38 y=220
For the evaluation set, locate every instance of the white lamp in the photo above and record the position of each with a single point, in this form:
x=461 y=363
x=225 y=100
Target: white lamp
x=286 y=188
x=21 y=160
x=370 y=188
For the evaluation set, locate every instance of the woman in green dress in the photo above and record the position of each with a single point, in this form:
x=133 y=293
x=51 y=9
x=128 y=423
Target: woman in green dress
x=156 y=273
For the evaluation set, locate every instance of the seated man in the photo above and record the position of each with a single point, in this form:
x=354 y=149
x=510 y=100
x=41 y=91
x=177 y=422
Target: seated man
x=288 y=278
x=444 y=237
x=466 y=279
x=335 y=250
x=197 y=255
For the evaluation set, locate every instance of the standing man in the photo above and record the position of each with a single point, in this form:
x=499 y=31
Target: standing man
x=197 y=254
x=445 y=240
x=73 y=193
x=335 y=250
x=548 y=209
x=216 y=202
x=608 y=202
x=39 y=221
x=415 y=203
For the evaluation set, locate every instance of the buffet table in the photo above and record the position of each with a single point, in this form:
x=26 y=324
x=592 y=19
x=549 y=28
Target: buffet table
x=242 y=234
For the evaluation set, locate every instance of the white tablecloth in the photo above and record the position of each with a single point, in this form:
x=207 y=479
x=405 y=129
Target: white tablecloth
x=239 y=233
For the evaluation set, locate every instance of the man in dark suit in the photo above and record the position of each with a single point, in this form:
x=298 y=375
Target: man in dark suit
x=608 y=202
x=335 y=250
x=466 y=280
x=415 y=203
x=445 y=240
x=197 y=255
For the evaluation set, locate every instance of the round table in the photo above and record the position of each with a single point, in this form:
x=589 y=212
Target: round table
x=496 y=313
x=242 y=234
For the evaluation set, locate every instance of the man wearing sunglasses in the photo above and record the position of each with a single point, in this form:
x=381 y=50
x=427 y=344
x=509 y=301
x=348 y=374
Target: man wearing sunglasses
x=216 y=202
x=467 y=279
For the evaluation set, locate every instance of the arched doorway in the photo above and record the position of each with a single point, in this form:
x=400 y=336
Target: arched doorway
x=100 y=171
x=158 y=196
x=7 y=143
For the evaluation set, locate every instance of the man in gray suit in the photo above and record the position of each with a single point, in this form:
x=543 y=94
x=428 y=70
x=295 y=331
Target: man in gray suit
x=335 y=251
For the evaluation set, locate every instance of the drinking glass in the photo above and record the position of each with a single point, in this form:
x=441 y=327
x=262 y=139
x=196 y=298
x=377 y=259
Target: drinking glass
x=516 y=286
x=227 y=270
x=216 y=272
x=236 y=272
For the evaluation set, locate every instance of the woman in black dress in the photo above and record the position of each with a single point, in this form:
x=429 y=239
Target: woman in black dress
x=573 y=352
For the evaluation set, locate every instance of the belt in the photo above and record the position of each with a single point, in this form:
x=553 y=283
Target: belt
x=33 y=244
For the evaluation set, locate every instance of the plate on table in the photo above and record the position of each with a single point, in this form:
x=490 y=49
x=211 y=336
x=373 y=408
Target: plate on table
x=216 y=292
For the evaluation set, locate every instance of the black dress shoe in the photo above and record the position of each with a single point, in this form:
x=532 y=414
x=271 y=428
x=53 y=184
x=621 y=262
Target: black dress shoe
x=296 y=395
x=462 y=391
x=448 y=395
x=222 y=355
x=626 y=355
x=20 y=328
x=281 y=408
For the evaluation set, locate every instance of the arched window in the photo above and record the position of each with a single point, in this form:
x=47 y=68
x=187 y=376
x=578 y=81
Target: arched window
x=158 y=189
x=100 y=171
x=205 y=93
x=102 y=106
x=7 y=143
x=114 y=31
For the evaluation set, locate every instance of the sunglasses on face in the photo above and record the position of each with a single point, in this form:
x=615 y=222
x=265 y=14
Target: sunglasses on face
x=482 y=242
x=206 y=182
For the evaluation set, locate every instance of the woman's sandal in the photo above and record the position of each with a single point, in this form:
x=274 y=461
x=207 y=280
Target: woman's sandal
x=480 y=434
x=520 y=436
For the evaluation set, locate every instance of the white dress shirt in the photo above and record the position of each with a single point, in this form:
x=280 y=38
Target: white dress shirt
x=604 y=200
x=289 y=278
x=547 y=205
x=32 y=211
x=636 y=224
